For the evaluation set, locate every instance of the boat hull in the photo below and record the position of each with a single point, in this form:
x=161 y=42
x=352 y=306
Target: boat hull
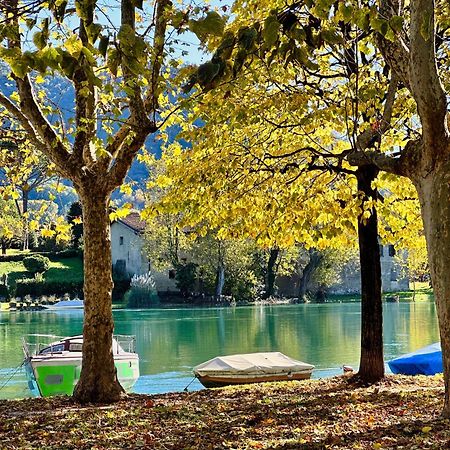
x=213 y=381
x=48 y=376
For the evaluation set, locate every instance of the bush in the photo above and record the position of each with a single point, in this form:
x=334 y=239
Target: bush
x=142 y=293
x=36 y=288
x=36 y=264
x=121 y=286
x=4 y=291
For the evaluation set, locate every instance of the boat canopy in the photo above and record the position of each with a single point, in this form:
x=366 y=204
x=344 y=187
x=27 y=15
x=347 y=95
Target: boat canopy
x=425 y=361
x=252 y=363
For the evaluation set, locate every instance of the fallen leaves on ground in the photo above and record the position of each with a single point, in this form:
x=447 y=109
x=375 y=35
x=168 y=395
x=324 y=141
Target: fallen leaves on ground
x=399 y=412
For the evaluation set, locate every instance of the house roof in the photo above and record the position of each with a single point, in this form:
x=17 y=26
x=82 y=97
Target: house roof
x=133 y=221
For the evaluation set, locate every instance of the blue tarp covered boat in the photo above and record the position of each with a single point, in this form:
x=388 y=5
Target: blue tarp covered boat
x=425 y=361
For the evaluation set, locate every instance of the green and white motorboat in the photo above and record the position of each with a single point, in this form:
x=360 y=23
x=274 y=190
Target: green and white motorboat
x=53 y=364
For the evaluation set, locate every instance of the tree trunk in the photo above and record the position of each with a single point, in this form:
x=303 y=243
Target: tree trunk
x=25 y=236
x=434 y=194
x=315 y=259
x=371 y=368
x=270 y=275
x=220 y=280
x=3 y=247
x=98 y=380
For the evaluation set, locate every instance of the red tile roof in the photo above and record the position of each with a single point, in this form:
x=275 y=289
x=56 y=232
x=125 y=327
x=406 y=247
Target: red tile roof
x=134 y=221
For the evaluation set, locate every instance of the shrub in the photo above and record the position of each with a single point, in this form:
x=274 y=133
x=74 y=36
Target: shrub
x=36 y=288
x=4 y=291
x=142 y=293
x=120 y=288
x=186 y=276
x=36 y=264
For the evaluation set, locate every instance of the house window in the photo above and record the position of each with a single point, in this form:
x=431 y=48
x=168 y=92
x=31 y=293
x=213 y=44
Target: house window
x=391 y=250
x=172 y=273
x=394 y=274
x=381 y=250
x=121 y=240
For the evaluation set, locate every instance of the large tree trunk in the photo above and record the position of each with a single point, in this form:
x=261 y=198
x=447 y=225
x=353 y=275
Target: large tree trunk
x=371 y=368
x=434 y=194
x=270 y=275
x=98 y=381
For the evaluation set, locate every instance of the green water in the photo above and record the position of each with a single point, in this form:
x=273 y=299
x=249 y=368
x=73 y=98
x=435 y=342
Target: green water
x=171 y=341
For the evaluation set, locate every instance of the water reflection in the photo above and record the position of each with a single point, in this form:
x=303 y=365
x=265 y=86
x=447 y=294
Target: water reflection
x=171 y=341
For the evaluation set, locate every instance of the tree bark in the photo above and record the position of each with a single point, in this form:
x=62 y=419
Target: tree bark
x=371 y=367
x=434 y=192
x=271 y=272
x=98 y=380
x=25 y=195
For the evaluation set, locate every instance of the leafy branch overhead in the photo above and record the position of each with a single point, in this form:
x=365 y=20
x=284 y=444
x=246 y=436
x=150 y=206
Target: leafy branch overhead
x=292 y=33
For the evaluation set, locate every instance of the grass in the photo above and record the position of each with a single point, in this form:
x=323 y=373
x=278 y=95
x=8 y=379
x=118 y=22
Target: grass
x=67 y=269
x=398 y=413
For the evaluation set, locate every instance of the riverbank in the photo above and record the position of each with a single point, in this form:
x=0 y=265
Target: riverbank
x=400 y=412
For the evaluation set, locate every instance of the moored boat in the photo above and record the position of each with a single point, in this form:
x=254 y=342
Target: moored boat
x=66 y=304
x=251 y=368
x=53 y=364
x=425 y=361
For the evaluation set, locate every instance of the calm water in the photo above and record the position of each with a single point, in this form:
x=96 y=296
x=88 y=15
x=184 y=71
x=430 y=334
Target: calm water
x=171 y=341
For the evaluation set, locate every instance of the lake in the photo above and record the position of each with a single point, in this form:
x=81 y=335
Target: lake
x=171 y=341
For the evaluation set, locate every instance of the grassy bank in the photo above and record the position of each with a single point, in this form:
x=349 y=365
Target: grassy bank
x=401 y=412
x=67 y=269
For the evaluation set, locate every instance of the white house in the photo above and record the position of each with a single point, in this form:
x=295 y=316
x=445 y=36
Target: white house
x=128 y=256
x=127 y=245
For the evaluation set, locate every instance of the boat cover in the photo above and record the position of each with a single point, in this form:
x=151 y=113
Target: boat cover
x=252 y=363
x=425 y=361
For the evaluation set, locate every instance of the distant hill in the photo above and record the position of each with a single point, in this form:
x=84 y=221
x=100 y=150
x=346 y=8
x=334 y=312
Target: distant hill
x=61 y=92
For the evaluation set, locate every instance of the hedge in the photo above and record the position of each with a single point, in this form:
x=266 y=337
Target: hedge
x=35 y=288
x=55 y=256
x=4 y=291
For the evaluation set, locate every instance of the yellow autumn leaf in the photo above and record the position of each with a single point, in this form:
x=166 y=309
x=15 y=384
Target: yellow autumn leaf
x=47 y=233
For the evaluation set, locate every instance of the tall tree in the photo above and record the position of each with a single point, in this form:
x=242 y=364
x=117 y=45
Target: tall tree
x=121 y=91
x=25 y=170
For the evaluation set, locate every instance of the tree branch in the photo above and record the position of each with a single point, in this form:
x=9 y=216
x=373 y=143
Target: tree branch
x=426 y=85
x=395 y=53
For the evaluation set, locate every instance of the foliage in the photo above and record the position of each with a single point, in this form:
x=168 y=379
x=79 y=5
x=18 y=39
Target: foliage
x=142 y=292
x=10 y=224
x=4 y=291
x=36 y=288
x=36 y=264
x=186 y=277
x=74 y=218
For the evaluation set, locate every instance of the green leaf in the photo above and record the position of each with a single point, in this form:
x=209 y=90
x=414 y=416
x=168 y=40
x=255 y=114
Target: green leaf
x=74 y=45
x=103 y=45
x=113 y=61
x=93 y=31
x=271 y=29
x=247 y=37
x=19 y=68
x=212 y=24
x=396 y=23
